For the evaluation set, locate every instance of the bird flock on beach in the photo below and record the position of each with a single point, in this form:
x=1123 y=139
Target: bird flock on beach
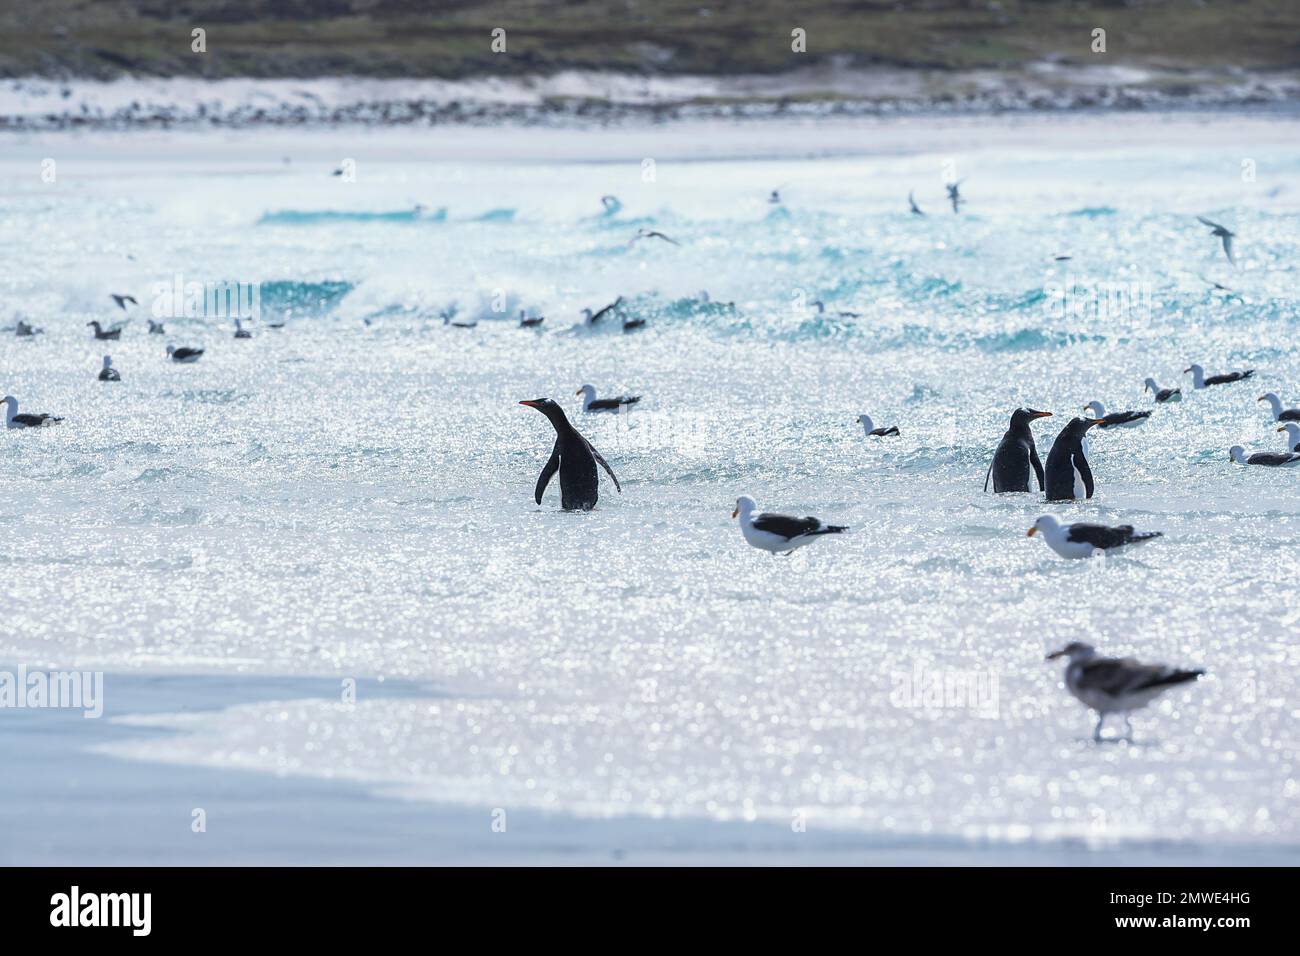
x=1106 y=685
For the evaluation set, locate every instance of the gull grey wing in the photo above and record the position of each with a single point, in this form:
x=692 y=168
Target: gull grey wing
x=1099 y=535
x=608 y=470
x=548 y=471
x=1115 y=676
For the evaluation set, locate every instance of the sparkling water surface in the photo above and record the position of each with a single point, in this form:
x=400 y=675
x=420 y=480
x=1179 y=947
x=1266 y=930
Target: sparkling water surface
x=351 y=494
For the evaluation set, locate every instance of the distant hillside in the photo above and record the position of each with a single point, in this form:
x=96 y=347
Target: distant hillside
x=450 y=38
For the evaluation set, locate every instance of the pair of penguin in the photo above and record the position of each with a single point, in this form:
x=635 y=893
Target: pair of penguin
x=1067 y=475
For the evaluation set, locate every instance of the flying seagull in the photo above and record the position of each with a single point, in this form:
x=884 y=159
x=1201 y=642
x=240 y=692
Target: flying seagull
x=122 y=300
x=156 y=328
x=1083 y=540
x=652 y=234
x=779 y=534
x=954 y=194
x=591 y=318
x=1114 y=685
x=27 y=420
x=1223 y=233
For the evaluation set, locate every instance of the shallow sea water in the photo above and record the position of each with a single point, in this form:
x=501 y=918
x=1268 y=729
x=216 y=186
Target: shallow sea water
x=351 y=495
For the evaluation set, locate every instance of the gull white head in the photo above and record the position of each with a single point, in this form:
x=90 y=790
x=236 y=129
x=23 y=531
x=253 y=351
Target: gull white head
x=1097 y=408
x=744 y=508
x=108 y=361
x=1047 y=524
x=1198 y=375
x=1292 y=435
x=1237 y=454
x=11 y=408
x=867 y=423
x=1151 y=384
x=171 y=349
x=1075 y=651
x=1274 y=403
x=588 y=393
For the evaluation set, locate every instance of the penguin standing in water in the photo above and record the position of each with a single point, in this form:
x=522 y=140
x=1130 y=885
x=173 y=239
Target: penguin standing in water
x=575 y=460
x=1016 y=454
x=1068 y=474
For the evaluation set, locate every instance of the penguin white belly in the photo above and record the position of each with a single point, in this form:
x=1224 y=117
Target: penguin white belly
x=1079 y=490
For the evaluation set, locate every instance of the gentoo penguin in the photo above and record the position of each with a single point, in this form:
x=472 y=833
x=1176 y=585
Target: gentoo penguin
x=575 y=460
x=1112 y=685
x=1280 y=414
x=108 y=373
x=1163 y=394
x=1068 y=475
x=870 y=429
x=1083 y=540
x=14 y=420
x=1199 y=379
x=1016 y=454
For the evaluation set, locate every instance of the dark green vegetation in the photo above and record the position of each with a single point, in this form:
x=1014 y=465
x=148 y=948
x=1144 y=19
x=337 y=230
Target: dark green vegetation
x=107 y=38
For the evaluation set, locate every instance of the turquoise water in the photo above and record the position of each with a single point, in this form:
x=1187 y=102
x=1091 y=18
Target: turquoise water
x=350 y=494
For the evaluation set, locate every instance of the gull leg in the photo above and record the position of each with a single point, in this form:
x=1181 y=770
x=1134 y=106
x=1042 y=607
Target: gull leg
x=1128 y=729
x=1096 y=733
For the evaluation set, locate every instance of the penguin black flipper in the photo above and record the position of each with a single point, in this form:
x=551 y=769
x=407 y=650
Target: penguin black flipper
x=604 y=464
x=987 y=475
x=548 y=471
x=1038 y=465
x=1085 y=473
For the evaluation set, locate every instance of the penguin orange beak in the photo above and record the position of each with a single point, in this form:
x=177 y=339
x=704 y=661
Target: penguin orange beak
x=1042 y=414
x=1095 y=421
x=1054 y=655
x=1031 y=532
x=531 y=403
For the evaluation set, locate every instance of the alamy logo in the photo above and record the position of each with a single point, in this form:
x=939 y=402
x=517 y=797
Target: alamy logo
x=179 y=299
x=925 y=688
x=102 y=909
x=76 y=690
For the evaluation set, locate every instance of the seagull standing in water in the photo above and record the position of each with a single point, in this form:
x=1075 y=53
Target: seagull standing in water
x=1223 y=233
x=1270 y=459
x=779 y=534
x=108 y=373
x=1199 y=379
x=1292 y=435
x=1083 y=540
x=590 y=403
x=1115 y=419
x=28 y=420
x=870 y=429
x=591 y=318
x=1163 y=394
x=106 y=334
x=1280 y=414
x=241 y=332
x=1115 y=685
x=184 y=354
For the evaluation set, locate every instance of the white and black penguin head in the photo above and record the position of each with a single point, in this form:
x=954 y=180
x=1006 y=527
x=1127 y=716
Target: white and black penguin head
x=1075 y=651
x=543 y=405
x=1080 y=426
x=1021 y=417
